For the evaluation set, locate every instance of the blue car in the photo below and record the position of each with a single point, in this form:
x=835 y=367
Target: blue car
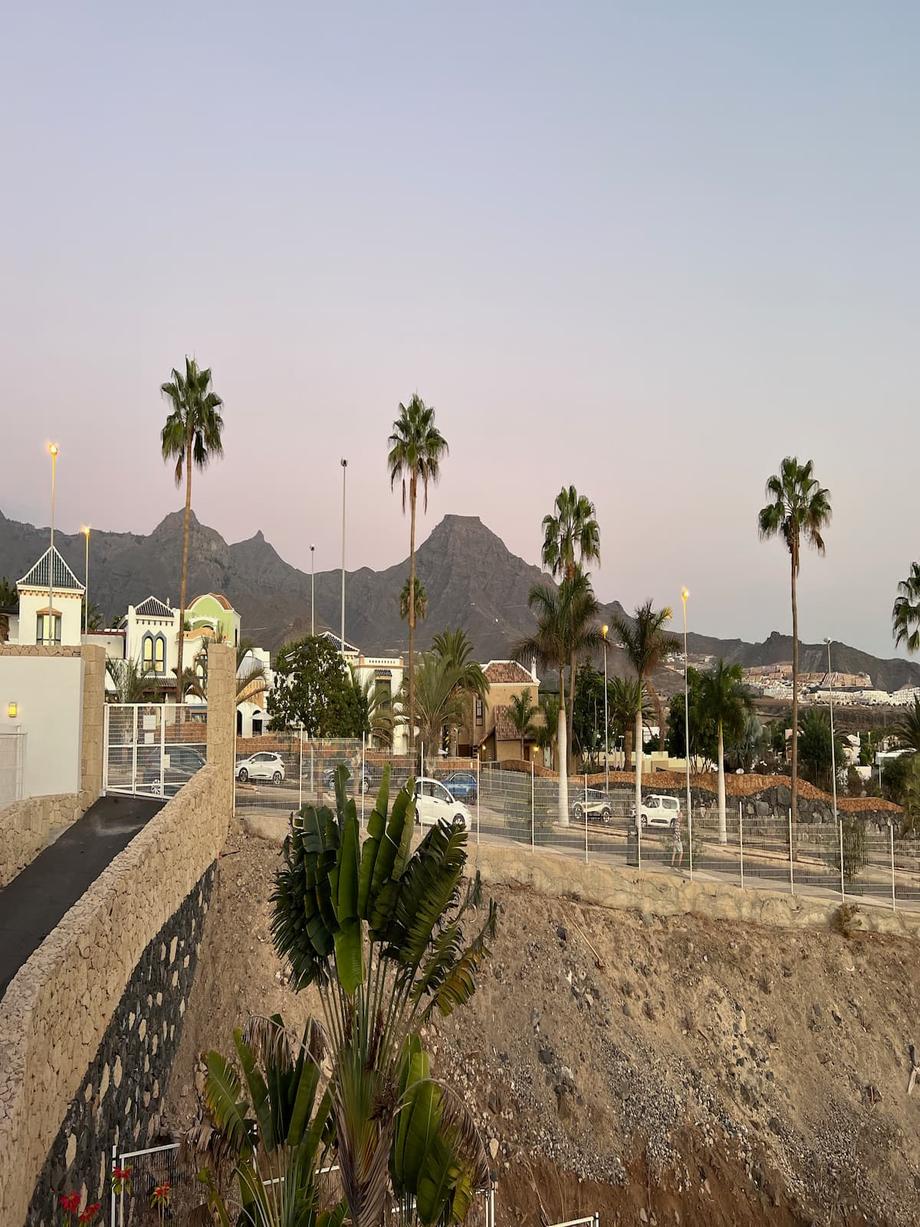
x=461 y=785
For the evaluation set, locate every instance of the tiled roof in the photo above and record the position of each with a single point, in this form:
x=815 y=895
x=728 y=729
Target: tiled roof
x=507 y=671
x=217 y=596
x=504 y=726
x=62 y=579
x=153 y=607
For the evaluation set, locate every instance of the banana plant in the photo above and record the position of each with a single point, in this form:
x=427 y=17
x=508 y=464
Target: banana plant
x=270 y=1120
x=378 y=929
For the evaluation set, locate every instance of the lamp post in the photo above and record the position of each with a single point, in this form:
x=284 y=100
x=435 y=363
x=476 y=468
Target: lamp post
x=312 y=591
x=830 y=682
x=684 y=597
x=84 y=529
x=604 y=630
x=344 y=470
x=53 y=451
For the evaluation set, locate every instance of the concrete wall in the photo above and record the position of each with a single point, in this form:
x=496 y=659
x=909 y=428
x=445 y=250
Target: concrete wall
x=28 y=824
x=56 y=1017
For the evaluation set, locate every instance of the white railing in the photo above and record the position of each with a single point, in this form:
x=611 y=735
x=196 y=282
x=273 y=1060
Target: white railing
x=152 y=749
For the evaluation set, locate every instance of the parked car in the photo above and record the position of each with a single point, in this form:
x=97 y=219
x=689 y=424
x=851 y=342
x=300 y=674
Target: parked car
x=658 y=810
x=433 y=802
x=261 y=766
x=461 y=785
x=367 y=777
x=595 y=811
x=179 y=765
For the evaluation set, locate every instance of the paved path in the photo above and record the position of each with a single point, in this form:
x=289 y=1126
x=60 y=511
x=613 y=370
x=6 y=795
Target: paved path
x=37 y=898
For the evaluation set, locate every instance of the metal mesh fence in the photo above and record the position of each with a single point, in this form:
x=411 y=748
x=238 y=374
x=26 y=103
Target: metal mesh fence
x=852 y=859
x=153 y=748
x=12 y=749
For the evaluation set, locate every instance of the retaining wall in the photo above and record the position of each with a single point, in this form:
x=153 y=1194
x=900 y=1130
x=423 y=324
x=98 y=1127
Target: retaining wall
x=26 y=827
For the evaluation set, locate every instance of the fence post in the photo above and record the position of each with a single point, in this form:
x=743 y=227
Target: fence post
x=690 y=833
x=741 y=838
x=843 y=893
x=586 y=817
x=162 y=753
x=112 y=1184
x=894 y=904
x=791 y=874
x=134 y=751
x=531 y=807
x=478 y=790
x=300 y=774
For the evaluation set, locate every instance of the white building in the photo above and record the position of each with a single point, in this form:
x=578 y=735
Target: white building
x=50 y=604
x=384 y=674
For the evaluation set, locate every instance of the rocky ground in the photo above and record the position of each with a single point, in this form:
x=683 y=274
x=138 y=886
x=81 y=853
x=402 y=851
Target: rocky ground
x=655 y=1071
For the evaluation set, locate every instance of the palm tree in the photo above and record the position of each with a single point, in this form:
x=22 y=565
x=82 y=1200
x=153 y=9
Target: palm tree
x=132 y=681
x=907 y=727
x=905 y=616
x=380 y=932
x=250 y=673
x=628 y=704
x=417 y=449
x=566 y=627
x=799 y=510
x=571 y=539
x=421 y=601
x=375 y=707
x=522 y=711
x=191 y=437
x=439 y=699
x=454 y=647
x=726 y=702
x=647 y=645
x=545 y=731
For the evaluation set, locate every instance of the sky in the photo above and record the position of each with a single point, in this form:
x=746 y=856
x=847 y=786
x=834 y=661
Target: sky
x=645 y=249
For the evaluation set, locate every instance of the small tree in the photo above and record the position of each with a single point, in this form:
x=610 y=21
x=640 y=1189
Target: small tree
x=855 y=856
x=522 y=710
x=313 y=688
x=726 y=701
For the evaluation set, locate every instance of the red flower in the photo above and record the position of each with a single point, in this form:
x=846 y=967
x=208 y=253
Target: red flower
x=122 y=1173
x=90 y=1212
x=70 y=1202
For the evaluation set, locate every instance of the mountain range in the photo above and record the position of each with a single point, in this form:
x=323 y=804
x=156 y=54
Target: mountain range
x=472 y=580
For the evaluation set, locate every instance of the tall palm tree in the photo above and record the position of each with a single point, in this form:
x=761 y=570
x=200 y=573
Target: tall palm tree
x=648 y=645
x=454 y=647
x=191 y=437
x=798 y=511
x=522 y=710
x=421 y=601
x=545 y=731
x=905 y=616
x=907 y=727
x=726 y=702
x=628 y=704
x=417 y=449
x=571 y=539
x=566 y=627
x=439 y=700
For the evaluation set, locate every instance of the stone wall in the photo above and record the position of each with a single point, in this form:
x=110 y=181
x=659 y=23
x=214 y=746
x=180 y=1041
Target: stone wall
x=56 y=1015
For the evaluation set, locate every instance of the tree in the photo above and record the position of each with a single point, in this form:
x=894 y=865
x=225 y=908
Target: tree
x=379 y=932
x=895 y=775
x=191 y=437
x=647 y=645
x=439 y=700
x=815 y=747
x=704 y=743
x=545 y=731
x=95 y=619
x=421 y=600
x=417 y=449
x=133 y=682
x=9 y=594
x=566 y=627
x=749 y=745
x=726 y=701
x=571 y=539
x=798 y=511
x=629 y=710
x=375 y=708
x=313 y=688
x=907 y=727
x=910 y=795
x=250 y=673
x=905 y=615
x=454 y=647
x=521 y=711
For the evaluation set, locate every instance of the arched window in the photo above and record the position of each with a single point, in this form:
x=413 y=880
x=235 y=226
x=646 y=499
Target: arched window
x=159 y=654
x=147 y=651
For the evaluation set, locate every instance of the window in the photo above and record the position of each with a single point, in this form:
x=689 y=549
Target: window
x=147 y=652
x=480 y=711
x=48 y=628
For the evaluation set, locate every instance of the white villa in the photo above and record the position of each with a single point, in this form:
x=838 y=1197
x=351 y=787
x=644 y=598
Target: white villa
x=385 y=674
x=50 y=604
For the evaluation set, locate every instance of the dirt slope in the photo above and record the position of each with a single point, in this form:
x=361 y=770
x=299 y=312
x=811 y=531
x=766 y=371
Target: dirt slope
x=673 y=1071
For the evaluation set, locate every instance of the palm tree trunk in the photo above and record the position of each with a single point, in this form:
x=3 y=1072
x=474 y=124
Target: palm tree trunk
x=412 y=501
x=795 y=687
x=639 y=766
x=563 y=758
x=183 y=582
x=627 y=746
x=723 y=829
x=571 y=724
x=659 y=711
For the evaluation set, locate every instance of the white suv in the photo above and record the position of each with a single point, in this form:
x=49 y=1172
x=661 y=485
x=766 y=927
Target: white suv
x=433 y=802
x=658 y=810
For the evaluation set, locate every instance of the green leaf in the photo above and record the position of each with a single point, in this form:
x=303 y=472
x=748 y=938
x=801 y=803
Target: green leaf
x=376 y=832
x=222 y=1094
x=258 y=1091
x=348 y=944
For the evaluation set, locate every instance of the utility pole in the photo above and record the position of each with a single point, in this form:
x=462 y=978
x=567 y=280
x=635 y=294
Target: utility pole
x=344 y=470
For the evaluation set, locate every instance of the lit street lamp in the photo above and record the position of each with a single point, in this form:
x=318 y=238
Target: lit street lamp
x=84 y=529
x=312 y=591
x=604 y=630
x=53 y=451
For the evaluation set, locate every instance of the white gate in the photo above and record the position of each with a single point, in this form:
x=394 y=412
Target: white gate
x=152 y=749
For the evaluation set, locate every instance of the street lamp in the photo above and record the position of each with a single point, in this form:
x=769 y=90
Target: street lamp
x=604 y=630
x=53 y=451
x=684 y=597
x=344 y=470
x=830 y=682
x=85 y=529
x=312 y=591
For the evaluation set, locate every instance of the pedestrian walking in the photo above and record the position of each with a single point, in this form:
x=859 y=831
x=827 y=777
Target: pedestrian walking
x=677 y=841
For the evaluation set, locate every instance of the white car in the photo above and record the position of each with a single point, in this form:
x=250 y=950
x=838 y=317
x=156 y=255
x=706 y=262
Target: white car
x=261 y=766
x=658 y=810
x=433 y=802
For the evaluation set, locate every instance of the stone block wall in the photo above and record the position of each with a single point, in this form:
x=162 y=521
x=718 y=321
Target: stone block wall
x=118 y=1102
x=26 y=826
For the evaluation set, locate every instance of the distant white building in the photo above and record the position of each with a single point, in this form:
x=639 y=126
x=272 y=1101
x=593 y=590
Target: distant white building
x=385 y=676
x=50 y=605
